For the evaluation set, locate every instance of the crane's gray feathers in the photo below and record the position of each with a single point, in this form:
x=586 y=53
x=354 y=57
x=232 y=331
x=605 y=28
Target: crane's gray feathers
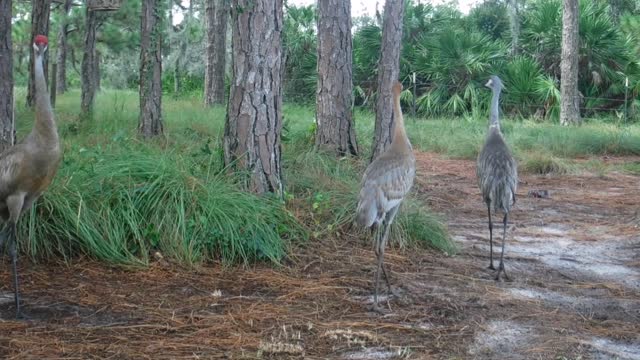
x=10 y=164
x=497 y=173
x=384 y=184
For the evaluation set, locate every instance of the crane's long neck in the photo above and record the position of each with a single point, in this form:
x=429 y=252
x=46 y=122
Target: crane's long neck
x=44 y=129
x=494 y=114
x=399 y=133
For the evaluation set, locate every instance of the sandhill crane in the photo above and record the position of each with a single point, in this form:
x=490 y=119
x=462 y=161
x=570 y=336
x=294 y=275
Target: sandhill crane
x=27 y=168
x=497 y=172
x=385 y=183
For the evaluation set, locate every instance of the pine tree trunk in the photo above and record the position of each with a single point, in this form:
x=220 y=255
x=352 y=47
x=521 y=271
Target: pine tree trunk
x=388 y=73
x=150 y=123
x=217 y=13
x=335 y=129
x=7 y=126
x=96 y=72
x=61 y=76
x=183 y=40
x=176 y=76
x=514 y=25
x=39 y=26
x=88 y=77
x=569 y=96
x=254 y=117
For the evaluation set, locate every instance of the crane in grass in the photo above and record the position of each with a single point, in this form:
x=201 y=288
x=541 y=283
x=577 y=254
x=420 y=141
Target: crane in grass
x=385 y=183
x=497 y=172
x=27 y=169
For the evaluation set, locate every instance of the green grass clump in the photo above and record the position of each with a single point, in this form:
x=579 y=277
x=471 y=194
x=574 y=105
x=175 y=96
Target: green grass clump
x=121 y=206
x=419 y=227
x=542 y=164
x=120 y=199
x=329 y=187
x=632 y=168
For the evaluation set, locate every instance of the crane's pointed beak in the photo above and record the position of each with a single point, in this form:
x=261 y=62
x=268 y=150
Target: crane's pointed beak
x=489 y=83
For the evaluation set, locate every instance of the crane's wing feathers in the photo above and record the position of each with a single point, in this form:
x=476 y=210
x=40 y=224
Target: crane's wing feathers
x=497 y=173
x=384 y=185
x=10 y=161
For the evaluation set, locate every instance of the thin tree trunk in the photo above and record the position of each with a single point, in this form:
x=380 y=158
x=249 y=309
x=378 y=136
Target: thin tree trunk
x=217 y=13
x=7 y=125
x=254 y=118
x=178 y=68
x=96 y=71
x=150 y=123
x=514 y=25
x=52 y=91
x=39 y=26
x=61 y=75
x=569 y=96
x=335 y=129
x=388 y=73
x=89 y=65
x=182 y=39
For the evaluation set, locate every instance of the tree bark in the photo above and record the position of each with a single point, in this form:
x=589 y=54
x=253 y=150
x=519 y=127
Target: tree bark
x=7 y=125
x=514 y=25
x=89 y=59
x=335 y=129
x=61 y=75
x=52 y=91
x=569 y=96
x=150 y=123
x=217 y=13
x=39 y=26
x=96 y=71
x=254 y=118
x=388 y=73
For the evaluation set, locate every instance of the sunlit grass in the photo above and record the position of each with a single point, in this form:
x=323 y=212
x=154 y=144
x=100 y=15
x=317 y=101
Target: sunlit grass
x=120 y=199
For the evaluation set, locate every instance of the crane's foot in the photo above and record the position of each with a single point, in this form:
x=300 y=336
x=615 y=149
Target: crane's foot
x=491 y=267
x=503 y=271
x=395 y=291
x=20 y=315
x=375 y=307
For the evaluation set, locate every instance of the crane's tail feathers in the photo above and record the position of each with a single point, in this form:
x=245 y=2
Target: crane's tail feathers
x=502 y=197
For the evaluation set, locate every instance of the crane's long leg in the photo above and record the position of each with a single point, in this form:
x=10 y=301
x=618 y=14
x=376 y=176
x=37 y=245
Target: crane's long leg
x=490 y=237
x=14 y=266
x=380 y=256
x=504 y=235
x=387 y=229
x=3 y=237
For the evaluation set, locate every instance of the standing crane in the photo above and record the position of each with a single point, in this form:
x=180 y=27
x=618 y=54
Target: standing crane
x=385 y=183
x=497 y=172
x=28 y=168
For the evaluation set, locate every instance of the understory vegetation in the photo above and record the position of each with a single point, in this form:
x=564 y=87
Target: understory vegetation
x=453 y=54
x=125 y=201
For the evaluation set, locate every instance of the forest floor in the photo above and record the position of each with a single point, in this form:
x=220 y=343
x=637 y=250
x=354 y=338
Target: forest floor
x=574 y=261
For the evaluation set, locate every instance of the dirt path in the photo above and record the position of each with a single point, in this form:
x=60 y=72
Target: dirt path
x=574 y=259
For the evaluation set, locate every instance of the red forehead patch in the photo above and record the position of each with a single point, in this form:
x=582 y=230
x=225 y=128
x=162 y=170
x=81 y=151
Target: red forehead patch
x=41 y=40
